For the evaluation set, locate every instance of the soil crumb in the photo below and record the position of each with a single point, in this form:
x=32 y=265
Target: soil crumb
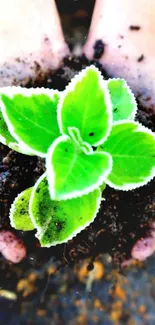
x=99 y=48
x=141 y=58
x=134 y=27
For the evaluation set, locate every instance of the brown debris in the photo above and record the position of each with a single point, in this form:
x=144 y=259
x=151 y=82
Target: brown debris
x=119 y=292
x=141 y=58
x=99 y=48
x=27 y=286
x=117 y=310
x=134 y=27
x=41 y=312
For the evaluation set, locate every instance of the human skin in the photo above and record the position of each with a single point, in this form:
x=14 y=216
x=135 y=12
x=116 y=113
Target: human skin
x=11 y=247
x=129 y=51
x=127 y=30
x=31 y=40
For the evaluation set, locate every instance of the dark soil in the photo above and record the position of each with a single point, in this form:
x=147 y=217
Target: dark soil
x=123 y=218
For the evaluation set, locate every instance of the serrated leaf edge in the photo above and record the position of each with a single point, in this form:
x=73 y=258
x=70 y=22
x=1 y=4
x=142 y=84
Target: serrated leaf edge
x=75 y=233
x=41 y=230
x=12 y=145
x=3 y=140
x=51 y=173
x=10 y=91
x=133 y=98
x=12 y=209
x=70 y=87
x=31 y=199
x=17 y=147
x=132 y=186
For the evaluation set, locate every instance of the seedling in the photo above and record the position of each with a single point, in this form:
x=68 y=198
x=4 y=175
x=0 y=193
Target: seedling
x=88 y=138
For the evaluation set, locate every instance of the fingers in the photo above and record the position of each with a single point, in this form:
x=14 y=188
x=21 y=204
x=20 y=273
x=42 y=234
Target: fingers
x=31 y=40
x=11 y=247
x=127 y=30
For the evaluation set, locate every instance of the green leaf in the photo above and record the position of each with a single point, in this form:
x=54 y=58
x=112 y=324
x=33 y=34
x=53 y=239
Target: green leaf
x=124 y=105
x=6 y=138
x=86 y=105
x=103 y=187
x=19 y=212
x=132 y=148
x=31 y=116
x=5 y=135
x=73 y=170
x=57 y=222
x=77 y=140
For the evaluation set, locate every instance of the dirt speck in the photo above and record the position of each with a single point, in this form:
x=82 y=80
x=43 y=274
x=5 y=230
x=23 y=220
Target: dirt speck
x=134 y=28
x=99 y=48
x=141 y=58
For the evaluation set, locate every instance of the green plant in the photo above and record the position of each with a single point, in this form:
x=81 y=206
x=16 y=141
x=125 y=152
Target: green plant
x=88 y=137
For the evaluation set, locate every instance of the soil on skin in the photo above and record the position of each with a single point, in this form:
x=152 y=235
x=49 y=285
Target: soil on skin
x=123 y=218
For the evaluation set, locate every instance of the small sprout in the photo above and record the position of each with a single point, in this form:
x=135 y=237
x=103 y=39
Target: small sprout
x=88 y=137
x=65 y=183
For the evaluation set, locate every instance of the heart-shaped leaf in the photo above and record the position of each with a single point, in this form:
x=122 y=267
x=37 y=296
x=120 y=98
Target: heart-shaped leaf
x=86 y=105
x=19 y=212
x=132 y=148
x=124 y=105
x=57 y=222
x=31 y=117
x=74 y=171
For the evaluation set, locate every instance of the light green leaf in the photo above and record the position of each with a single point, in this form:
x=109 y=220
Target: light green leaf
x=124 y=105
x=79 y=143
x=6 y=138
x=31 y=117
x=73 y=170
x=86 y=105
x=5 y=135
x=19 y=212
x=57 y=222
x=132 y=148
x=103 y=187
